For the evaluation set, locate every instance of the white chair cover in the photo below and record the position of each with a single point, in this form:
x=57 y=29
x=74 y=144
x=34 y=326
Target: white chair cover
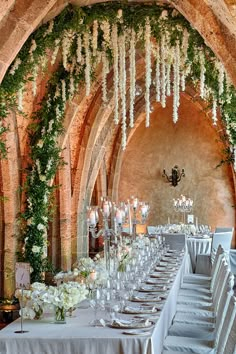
x=203 y=330
x=227 y=336
x=175 y=241
x=152 y=230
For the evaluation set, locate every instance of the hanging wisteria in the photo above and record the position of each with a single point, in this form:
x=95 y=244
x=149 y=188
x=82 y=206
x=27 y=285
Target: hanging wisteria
x=111 y=33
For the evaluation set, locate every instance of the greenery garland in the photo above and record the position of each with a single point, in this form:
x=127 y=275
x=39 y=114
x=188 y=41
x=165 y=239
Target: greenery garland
x=64 y=83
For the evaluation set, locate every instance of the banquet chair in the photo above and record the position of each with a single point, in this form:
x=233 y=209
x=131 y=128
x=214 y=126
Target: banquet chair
x=202 y=279
x=151 y=230
x=201 y=318
x=206 y=326
x=224 y=229
x=203 y=305
x=221 y=344
x=204 y=261
x=189 y=294
x=175 y=241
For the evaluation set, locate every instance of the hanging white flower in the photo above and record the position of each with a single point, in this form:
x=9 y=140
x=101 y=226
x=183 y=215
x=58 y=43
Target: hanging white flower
x=221 y=76
x=50 y=28
x=214 y=111
x=37 y=162
x=184 y=56
x=20 y=99
x=105 y=71
x=34 y=82
x=119 y=14
x=158 y=76
x=95 y=37
x=15 y=66
x=63 y=90
x=87 y=62
x=105 y=27
x=176 y=97
x=71 y=87
x=148 y=78
x=32 y=49
x=114 y=39
x=79 y=49
x=202 y=74
x=122 y=82
x=55 y=52
x=163 y=70
x=235 y=158
x=132 y=71
x=66 y=44
x=169 y=61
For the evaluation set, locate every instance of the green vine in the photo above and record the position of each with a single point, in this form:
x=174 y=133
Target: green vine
x=47 y=122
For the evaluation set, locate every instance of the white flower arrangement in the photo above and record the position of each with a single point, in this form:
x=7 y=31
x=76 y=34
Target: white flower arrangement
x=163 y=71
x=176 y=101
x=66 y=295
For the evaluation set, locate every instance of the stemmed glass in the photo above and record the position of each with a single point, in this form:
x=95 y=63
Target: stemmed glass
x=95 y=299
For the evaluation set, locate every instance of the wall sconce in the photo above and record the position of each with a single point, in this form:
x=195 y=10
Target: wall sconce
x=175 y=176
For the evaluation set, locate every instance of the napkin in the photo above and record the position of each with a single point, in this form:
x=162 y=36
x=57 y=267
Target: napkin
x=126 y=324
x=134 y=310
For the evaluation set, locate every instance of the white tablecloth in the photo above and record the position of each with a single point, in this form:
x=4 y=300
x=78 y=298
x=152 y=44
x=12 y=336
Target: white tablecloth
x=198 y=246
x=78 y=337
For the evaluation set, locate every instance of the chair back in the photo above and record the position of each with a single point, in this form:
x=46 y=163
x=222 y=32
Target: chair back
x=175 y=241
x=151 y=230
x=228 y=330
x=220 y=285
x=223 y=305
x=224 y=229
x=223 y=239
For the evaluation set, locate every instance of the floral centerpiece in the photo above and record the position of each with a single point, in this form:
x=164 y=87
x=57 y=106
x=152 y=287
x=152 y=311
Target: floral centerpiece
x=32 y=300
x=124 y=257
x=88 y=271
x=65 y=297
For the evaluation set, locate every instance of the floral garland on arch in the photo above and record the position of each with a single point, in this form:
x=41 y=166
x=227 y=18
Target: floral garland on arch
x=85 y=37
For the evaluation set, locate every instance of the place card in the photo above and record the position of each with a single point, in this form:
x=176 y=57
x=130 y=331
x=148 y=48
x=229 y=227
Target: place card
x=22 y=275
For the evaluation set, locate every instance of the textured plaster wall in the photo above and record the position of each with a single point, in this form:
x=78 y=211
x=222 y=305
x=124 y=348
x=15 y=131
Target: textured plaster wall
x=193 y=144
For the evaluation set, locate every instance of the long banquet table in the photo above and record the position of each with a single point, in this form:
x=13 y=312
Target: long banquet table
x=78 y=337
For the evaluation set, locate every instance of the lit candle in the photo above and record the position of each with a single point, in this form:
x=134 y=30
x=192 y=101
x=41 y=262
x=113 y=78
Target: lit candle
x=144 y=210
x=93 y=275
x=135 y=202
x=106 y=208
x=118 y=216
x=92 y=217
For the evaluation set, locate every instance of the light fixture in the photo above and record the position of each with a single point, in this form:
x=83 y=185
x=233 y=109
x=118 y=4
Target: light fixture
x=175 y=176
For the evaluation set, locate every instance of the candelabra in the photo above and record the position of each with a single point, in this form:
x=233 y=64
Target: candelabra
x=93 y=218
x=137 y=207
x=183 y=205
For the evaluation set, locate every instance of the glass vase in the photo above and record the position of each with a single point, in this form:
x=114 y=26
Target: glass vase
x=38 y=313
x=59 y=315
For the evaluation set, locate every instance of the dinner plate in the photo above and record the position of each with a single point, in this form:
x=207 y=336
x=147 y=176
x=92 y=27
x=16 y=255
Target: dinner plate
x=132 y=324
x=152 y=288
x=137 y=332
